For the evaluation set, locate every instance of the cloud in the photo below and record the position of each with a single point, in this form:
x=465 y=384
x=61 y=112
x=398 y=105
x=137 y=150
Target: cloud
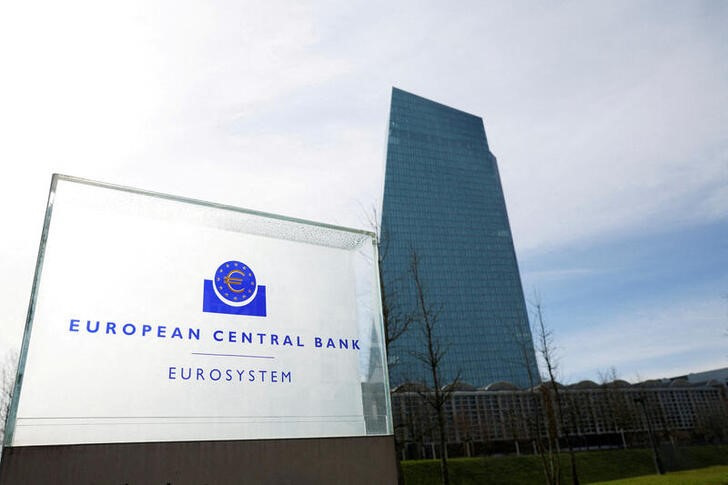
x=551 y=275
x=682 y=336
x=607 y=119
x=637 y=146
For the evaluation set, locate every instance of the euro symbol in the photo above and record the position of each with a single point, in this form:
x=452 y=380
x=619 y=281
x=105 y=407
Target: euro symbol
x=230 y=280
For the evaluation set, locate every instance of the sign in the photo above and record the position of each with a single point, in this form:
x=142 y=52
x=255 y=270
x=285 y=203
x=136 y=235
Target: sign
x=157 y=318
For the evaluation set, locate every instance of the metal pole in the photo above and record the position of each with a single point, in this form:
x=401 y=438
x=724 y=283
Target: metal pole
x=653 y=441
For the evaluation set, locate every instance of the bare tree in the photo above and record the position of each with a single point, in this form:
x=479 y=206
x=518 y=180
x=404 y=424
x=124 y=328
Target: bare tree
x=432 y=356
x=418 y=422
x=711 y=424
x=546 y=349
x=539 y=412
x=618 y=414
x=396 y=321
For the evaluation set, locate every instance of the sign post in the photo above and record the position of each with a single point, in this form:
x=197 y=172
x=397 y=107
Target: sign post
x=179 y=341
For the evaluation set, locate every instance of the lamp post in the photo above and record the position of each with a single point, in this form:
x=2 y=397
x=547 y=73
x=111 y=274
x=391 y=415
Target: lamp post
x=651 y=434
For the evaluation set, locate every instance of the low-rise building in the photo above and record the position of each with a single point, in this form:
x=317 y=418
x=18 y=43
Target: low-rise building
x=502 y=418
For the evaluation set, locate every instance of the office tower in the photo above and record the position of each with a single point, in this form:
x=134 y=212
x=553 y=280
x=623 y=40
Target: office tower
x=443 y=200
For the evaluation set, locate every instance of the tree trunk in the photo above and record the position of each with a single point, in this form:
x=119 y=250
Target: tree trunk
x=444 y=473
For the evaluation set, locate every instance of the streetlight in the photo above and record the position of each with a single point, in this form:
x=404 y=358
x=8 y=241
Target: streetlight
x=651 y=434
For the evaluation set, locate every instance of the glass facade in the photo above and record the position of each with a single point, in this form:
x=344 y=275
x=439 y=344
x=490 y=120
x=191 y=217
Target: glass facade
x=443 y=200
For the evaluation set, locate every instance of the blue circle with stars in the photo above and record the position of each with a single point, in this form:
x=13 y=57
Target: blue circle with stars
x=235 y=281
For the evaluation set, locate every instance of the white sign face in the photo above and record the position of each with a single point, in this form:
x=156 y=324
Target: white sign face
x=158 y=319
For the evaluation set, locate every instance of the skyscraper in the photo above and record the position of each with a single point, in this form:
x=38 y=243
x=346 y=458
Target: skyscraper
x=443 y=200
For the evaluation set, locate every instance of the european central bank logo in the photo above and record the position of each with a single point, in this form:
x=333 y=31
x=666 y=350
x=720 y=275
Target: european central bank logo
x=233 y=290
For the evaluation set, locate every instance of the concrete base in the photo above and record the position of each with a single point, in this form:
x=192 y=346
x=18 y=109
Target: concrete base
x=364 y=460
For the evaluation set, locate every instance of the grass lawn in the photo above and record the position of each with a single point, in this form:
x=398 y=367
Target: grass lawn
x=593 y=467
x=527 y=470
x=714 y=475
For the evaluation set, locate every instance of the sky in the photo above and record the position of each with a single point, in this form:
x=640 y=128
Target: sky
x=609 y=121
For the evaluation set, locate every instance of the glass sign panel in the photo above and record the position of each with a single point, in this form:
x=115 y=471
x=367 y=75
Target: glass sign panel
x=158 y=318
